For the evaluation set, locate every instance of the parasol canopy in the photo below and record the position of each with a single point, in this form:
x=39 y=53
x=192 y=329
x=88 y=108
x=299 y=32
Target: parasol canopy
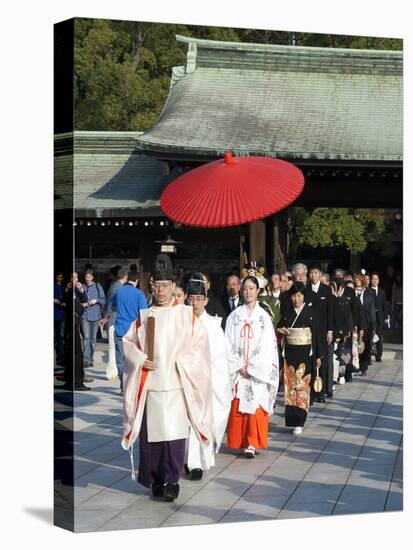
x=232 y=191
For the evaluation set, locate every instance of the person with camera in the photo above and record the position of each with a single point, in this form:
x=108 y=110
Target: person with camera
x=73 y=299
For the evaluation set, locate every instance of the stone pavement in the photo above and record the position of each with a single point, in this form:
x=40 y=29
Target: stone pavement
x=348 y=460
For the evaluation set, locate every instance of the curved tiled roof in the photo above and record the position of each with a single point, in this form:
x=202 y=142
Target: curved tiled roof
x=286 y=101
x=96 y=171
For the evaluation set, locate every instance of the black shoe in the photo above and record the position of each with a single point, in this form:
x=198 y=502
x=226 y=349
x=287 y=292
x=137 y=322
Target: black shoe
x=171 y=491
x=378 y=360
x=196 y=474
x=69 y=387
x=157 y=490
x=330 y=395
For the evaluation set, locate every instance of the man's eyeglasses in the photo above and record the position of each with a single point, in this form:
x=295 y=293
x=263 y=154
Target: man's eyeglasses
x=159 y=285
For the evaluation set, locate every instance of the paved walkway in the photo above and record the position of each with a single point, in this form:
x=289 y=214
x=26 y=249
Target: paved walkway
x=348 y=460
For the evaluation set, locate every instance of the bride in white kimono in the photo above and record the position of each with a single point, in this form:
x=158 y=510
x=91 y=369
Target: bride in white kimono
x=201 y=457
x=253 y=362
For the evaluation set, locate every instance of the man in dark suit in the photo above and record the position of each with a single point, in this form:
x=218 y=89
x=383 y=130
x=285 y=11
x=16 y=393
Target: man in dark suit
x=320 y=296
x=232 y=298
x=382 y=313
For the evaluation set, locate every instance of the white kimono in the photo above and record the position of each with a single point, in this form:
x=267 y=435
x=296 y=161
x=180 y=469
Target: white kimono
x=200 y=456
x=177 y=394
x=250 y=340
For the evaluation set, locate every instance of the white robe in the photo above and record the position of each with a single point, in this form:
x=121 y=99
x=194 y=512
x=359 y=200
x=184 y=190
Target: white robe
x=200 y=456
x=177 y=393
x=250 y=339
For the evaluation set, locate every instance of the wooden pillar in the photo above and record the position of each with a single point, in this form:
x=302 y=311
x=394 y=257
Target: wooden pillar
x=257 y=248
x=280 y=231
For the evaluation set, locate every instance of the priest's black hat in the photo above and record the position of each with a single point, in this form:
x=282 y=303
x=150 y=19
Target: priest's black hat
x=163 y=268
x=196 y=285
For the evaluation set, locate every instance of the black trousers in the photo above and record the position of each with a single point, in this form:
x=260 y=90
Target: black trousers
x=329 y=370
x=379 y=344
x=74 y=371
x=365 y=357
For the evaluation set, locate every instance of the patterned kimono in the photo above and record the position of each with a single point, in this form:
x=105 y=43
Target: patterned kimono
x=250 y=340
x=299 y=365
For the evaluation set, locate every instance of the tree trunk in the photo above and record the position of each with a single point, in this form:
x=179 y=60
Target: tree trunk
x=139 y=33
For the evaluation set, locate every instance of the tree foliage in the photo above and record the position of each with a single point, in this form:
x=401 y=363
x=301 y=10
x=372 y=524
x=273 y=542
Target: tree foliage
x=123 y=68
x=332 y=227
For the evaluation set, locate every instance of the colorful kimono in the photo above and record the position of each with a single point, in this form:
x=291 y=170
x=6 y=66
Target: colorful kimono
x=299 y=359
x=161 y=405
x=250 y=341
x=200 y=455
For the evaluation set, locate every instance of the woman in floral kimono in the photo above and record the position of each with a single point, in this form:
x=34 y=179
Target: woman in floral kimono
x=253 y=364
x=302 y=347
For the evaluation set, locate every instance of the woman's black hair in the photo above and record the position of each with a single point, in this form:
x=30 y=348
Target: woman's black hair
x=339 y=281
x=251 y=278
x=180 y=284
x=297 y=287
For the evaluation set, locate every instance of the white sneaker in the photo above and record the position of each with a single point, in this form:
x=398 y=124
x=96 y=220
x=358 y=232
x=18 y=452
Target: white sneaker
x=342 y=381
x=297 y=430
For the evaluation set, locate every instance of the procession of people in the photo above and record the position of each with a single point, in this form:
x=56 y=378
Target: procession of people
x=198 y=371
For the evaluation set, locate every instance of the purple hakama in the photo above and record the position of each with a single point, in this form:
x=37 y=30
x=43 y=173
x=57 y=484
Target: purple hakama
x=159 y=462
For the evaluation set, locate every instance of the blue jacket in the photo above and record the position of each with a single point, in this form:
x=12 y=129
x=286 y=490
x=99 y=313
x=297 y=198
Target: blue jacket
x=110 y=310
x=128 y=302
x=94 y=292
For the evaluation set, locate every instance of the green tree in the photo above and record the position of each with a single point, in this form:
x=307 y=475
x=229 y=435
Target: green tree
x=122 y=72
x=333 y=227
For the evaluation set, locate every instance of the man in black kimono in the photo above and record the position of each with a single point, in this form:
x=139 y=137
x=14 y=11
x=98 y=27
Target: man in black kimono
x=320 y=296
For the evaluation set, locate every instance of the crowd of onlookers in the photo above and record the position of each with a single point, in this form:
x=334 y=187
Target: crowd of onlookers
x=360 y=307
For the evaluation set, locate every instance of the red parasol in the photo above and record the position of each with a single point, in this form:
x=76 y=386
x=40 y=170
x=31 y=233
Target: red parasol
x=232 y=191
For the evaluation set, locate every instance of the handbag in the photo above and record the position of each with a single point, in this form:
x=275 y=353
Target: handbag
x=318 y=382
